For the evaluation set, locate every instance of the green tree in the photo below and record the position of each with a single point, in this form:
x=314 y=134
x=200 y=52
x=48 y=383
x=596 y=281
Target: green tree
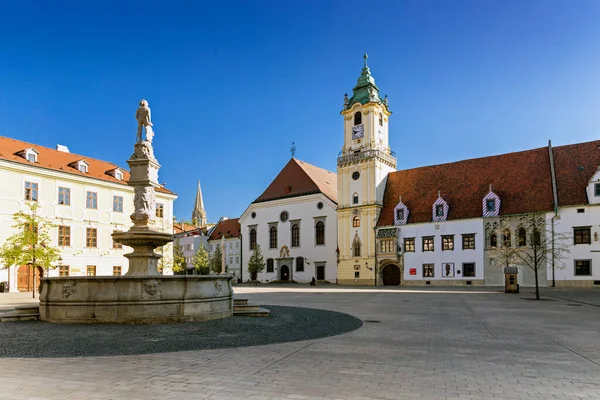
x=216 y=261
x=201 y=261
x=256 y=263
x=179 y=266
x=31 y=244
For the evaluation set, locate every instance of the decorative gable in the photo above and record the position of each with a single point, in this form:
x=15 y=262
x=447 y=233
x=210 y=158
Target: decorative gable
x=593 y=188
x=440 y=209
x=490 y=204
x=400 y=213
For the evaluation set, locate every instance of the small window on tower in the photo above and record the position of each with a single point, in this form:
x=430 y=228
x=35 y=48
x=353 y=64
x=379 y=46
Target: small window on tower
x=358 y=118
x=380 y=120
x=355 y=199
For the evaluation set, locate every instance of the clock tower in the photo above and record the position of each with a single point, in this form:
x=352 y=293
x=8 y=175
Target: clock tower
x=362 y=169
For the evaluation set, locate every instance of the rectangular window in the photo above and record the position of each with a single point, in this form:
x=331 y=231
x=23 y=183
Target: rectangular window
x=439 y=210
x=583 y=267
x=468 y=270
x=300 y=264
x=91 y=200
x=491 y=205
x=64 y=235
x=118 y=203
x=468 y=241
x=447 y=242
x=116 y=271
x=400 y=214
x=237 y=259
x=63 y=270
x=428 y=270
x=270 y=267
x=91 y=270
x=31 y=191
x=64 y=196
x=31 y=157
x=597 y=189
x=582 y=235
x=428 y=243
x=91 y=237
x=160 y=210
x=409 y=245
x=295 y=235
x=356 y=274
x=387 y=245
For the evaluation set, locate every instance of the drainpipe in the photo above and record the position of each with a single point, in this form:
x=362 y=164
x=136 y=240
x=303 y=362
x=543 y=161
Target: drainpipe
x=375 y=242
x=555 y=198
x=553 y=218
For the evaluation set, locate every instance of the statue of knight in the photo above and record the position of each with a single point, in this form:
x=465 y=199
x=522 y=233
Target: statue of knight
x=143 y=118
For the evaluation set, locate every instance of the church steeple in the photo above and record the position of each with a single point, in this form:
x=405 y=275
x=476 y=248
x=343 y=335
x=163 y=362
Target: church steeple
x=199 y=214
x=366 y=90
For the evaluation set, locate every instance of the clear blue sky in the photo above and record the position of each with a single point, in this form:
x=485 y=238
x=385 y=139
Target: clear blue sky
x=232 y=84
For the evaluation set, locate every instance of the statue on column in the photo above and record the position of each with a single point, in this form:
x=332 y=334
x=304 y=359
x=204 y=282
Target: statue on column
x=143 y=118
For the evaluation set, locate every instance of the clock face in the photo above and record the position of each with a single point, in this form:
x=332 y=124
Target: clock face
x=358 y=131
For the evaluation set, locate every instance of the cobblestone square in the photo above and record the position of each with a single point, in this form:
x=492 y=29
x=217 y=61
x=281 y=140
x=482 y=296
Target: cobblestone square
x=414 y=344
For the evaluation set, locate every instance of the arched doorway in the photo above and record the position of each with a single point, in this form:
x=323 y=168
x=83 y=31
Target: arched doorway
x=391 y=275
x=25 y=278
x=285 y=273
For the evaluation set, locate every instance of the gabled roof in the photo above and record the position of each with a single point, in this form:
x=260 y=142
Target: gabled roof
x=522 y=180
x=230 y=228
x=575 y=165
x=180 y=227
x=59 y=161
x=298 y=178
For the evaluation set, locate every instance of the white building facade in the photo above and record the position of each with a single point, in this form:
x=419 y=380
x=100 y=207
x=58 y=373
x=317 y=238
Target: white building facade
x=226 y=235
x=87 y=199
x=294 y=223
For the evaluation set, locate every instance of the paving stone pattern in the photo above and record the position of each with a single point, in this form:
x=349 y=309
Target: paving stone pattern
x=427 y=345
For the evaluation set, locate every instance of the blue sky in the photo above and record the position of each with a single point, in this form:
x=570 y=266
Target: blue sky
x=232 y=85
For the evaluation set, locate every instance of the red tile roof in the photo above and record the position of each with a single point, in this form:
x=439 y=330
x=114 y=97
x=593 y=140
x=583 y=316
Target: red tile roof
x=180 y=227
x=298 y=178
x=575 y=165
x=59 y=161
x=522 y=181
x=230 y=228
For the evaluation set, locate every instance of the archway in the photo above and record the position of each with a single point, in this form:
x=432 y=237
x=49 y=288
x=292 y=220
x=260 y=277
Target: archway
x=285 y=273
x=25 y=278
x=391 y=275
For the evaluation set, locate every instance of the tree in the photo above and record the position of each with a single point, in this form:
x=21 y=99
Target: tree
x=536 y=245
x=256 y=263
x=30 y=245
x=201 y=261
x=504 y=252
x=216 y=261
x=179 y=266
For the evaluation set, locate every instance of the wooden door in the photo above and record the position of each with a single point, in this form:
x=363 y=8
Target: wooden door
x=391 y=275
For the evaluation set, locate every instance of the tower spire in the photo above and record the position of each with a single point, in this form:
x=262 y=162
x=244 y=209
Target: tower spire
x=199 y=214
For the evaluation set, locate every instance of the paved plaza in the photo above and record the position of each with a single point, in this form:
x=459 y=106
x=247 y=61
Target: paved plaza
x=414 y=344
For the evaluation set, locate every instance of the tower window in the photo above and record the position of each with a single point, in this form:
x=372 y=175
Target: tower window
x=355 y=222
x=358 y=118
x=355 y=198
x=380 y=120
x=356 y=250
x=355 y=175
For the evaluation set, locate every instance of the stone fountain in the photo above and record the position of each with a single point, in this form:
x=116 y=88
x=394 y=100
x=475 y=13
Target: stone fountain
x=142 y=295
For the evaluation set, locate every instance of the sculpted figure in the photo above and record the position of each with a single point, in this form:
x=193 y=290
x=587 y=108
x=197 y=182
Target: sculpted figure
x=151 y=290
x=143 y=117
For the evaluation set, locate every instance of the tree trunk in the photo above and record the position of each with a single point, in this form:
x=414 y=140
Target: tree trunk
x=537 y=286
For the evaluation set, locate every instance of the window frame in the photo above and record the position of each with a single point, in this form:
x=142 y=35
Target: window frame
x=355 y=198
x=491 y=202
x=439 y=210
x=91 y=238
x=270 y=268
x=89 y=268
x=468 y=236
x=580 y=231
x=357 y=118
x=117 y=203
x=299 y=264
x=356 y=221
x=407 y=247
x=117 y=268
x=64 y=270
x=597 y=189
x=589 y=266
x=387 y=246
x=31 y=192
x=65 y=193
x=474 y=270
x=320 y=233
x=447 y=242
x=160 y=210
x=428 y=267
x=91 y=200
x=273 y=237
x=64 y=235
x=428 y=238
x=295 y=242
x=252 y=239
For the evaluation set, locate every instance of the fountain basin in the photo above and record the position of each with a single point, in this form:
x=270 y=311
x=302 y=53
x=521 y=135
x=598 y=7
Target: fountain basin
x=135 y=299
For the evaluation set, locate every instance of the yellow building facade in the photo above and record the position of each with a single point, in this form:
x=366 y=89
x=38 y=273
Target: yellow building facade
x=362 y=169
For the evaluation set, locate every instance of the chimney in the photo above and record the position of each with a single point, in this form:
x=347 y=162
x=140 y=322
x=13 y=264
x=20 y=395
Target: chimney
x=63 y=148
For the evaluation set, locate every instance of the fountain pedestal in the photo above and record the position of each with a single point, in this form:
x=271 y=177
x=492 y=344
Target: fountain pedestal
x=142 y=295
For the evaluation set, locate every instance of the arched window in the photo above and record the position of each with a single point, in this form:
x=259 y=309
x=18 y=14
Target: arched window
x=380 y=119
x=320 y=233
x=355 y=222
x=273 y=238
x=299 y=264
x=493 y=240
x=506 y=239
x=522 y=236
x=357 y=118
x=537 y=237
x=356 y=251
x=355 y=198
x=295 y=235
x=252 y=239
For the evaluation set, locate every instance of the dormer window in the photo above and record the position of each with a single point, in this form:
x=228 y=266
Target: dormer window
x=400 y=213
x=117 y=173
x=490 y=205
x=81 y=166
x=439 y=210
x=29 y=154
x=358 y=118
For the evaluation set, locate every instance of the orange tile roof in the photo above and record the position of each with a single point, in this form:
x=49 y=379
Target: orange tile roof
x=299 y=178
x=60 y=161
x=574 y=167
x=230 y=228
x=522 y=180
x=180 y=227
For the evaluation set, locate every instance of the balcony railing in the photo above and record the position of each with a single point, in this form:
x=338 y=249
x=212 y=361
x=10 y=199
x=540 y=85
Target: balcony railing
x=366 y=155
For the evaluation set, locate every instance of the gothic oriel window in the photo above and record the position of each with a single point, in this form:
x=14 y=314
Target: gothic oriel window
x=358 y=118
x=506 y=238
x=295 y=235
x=252 y=239
x=320 y=233
x=273 y=238
x=355 y=222
x=493 y=240
x=356 y=250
